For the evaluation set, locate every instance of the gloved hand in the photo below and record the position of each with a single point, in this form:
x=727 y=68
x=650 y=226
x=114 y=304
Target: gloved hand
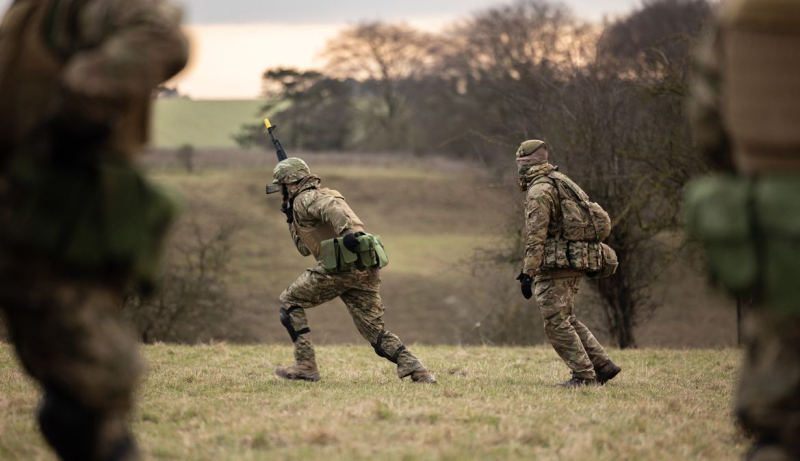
x=525 y=281
x=350 y=241
x=286 y=209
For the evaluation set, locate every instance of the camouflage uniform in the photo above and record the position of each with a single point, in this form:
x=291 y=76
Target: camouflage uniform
x=75 y=84
x=319 y=214
x=555 y=289
x=744 y=109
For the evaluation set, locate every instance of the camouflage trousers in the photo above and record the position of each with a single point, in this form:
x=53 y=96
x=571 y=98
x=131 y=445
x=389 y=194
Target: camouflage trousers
x=573 y=342
x=69 y=336
x=359 y=289
x=768 y=398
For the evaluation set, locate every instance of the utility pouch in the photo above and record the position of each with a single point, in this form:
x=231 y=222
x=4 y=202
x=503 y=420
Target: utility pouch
x=371 y=253
x=98 y=216
x=607 y=262
x=777 y=205
x=719 y=213
x=556 y=254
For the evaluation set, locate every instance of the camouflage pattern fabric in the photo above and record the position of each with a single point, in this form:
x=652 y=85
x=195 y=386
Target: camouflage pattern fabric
x=768 y=400
x=573 y=342
x=75 y=83
x=69 y=335
x=360 y=292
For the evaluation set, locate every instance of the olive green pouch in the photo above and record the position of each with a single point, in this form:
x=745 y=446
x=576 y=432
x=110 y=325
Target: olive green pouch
x=778 y=218
x=371 y=251
x=718 y=212
x=327 y=255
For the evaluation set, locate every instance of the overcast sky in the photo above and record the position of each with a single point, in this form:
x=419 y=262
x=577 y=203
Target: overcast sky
x=234 y=41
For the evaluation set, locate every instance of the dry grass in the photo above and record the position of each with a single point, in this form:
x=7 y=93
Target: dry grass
x=221 y=402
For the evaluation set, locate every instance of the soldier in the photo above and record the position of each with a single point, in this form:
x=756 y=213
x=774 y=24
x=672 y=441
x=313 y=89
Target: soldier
x=80 y=222
x=323 y=225
x=744 y=105
x=557 y=256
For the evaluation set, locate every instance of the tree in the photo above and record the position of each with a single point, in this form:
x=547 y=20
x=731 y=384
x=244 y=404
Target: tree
x=314 y=110
x=382 y=57
x=192 y=303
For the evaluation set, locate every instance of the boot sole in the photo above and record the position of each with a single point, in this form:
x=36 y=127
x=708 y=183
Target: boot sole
x=312 y=378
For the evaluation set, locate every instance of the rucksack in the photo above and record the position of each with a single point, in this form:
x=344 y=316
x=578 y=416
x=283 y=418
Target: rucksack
x=583 y=220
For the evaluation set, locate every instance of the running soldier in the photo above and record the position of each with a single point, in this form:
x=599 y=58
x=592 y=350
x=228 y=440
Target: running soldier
x=323 y=225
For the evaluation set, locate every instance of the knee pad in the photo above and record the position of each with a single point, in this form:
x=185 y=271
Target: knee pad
x=286 y=320
x=378 y=346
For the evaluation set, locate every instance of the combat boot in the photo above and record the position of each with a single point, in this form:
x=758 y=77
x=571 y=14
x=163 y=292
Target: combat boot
x=423 y=376
x=607 y=372
x=578 y=382
x=301 y=371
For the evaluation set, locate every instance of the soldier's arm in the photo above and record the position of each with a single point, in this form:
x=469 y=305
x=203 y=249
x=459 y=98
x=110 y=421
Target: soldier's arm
x=142 y=46
x=329 y=209
x=705 y=103
x=301 y=247
x=539 y=207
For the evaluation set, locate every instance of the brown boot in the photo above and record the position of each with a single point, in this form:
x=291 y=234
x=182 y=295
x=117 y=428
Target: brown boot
x=607 y=372
x=302 y=371
x=423 y=376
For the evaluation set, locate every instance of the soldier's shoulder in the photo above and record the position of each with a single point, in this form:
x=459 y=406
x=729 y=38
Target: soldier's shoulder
x=542 y=187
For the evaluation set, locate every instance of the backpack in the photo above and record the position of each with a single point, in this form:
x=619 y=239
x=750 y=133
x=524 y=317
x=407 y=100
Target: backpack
x=582 y=219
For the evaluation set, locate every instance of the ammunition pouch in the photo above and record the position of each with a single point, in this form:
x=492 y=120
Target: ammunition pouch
x=371 y=253
x=597 y=260
x=286 y=321
x=378 y=346
x=750 y=230
x=100 y=216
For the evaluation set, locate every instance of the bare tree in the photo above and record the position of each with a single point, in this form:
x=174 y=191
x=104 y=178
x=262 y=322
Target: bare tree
x=192 y=302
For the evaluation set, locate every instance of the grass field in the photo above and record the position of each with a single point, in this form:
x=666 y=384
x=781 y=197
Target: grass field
x=222 y=402
x=202 y=124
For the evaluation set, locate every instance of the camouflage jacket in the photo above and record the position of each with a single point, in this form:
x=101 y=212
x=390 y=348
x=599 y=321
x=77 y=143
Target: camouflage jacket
x=542 y=217
x=94 y=62
x=319 y=214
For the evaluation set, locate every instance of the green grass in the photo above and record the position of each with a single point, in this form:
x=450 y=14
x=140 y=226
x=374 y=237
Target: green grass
x=222 y=402
x=202 y=124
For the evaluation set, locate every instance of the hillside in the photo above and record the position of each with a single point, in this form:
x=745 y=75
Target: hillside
x=202 y=124
x=223 y=403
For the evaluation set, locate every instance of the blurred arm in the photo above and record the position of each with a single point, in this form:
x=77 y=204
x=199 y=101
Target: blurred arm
x=538 y=209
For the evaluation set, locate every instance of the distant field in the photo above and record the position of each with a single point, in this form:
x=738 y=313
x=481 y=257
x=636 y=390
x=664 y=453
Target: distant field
x=222 y=403
x=202 y=124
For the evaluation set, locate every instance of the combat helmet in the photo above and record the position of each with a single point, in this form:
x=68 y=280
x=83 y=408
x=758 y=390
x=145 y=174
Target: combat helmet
x=289 y=171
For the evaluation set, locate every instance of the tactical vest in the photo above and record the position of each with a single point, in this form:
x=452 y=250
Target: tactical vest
x=761 y=84
x=30 y=86
x=584 y=225
x=312 y=237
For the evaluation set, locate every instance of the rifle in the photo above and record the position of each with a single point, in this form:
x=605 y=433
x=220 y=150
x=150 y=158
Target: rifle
x=272 y=188
x=279 y=151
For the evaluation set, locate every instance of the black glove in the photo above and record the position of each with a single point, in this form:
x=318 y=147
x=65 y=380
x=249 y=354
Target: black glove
x=286 y=209
x=350 y=241
x=525 y=281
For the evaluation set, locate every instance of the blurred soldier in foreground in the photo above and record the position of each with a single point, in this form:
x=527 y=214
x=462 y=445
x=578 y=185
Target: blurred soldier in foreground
x=564 y=231
x=79 y=221
x=323 y=225
x=746 y=111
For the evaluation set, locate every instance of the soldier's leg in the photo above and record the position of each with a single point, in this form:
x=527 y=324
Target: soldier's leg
x=366 y=307
x=314 y=287
x=70 y=337
x=556 y=298
x=768 y=398
x=597 y=354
